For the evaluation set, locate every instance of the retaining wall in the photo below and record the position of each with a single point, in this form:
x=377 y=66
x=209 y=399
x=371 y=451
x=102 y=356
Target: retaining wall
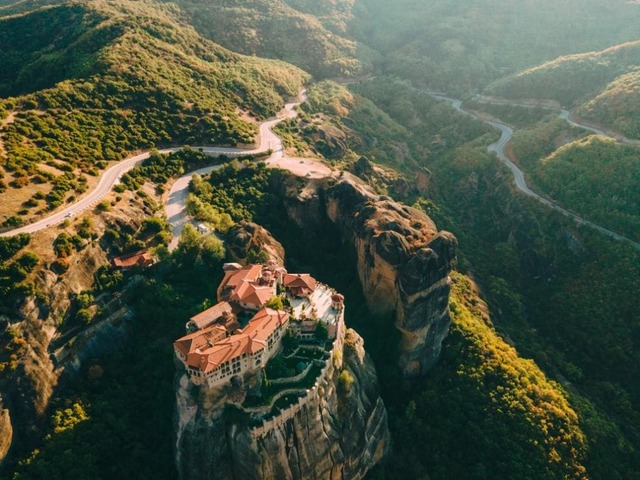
x=333 y=362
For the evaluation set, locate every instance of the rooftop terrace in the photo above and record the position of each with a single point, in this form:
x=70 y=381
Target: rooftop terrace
x=320 y=299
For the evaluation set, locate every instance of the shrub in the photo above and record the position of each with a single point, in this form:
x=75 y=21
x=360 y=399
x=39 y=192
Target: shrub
x=84 y=299
x=275 y=303
x=104 y=206
x=63 y=245
x=84 y=316
x=345 y=381
x=28 y=261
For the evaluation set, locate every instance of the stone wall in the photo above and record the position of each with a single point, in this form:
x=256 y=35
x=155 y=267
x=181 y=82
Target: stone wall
x=332 y=363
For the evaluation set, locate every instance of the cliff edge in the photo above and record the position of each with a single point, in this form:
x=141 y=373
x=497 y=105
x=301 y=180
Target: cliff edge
x=403 y=260
x=338 y=431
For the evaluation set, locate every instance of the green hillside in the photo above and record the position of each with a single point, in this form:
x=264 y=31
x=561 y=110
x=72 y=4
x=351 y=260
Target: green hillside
x=597 y=178
x=571 y=78
x=462 y=46
x=618 y=105
x=112 y=78
x=485 y=412
x=311 y=35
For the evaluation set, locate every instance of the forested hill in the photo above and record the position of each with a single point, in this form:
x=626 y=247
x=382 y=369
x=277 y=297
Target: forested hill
x=572 y=78
x=312 y=35
x=462 y=46
x=90 y=37
x=93 y=81
x=603 y=86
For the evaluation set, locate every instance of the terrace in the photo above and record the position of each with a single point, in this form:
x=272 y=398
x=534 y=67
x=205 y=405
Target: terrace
x=317 y=306
x=288 y=373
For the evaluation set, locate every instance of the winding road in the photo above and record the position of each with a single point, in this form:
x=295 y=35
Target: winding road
x=175 y=206
x=506 y=132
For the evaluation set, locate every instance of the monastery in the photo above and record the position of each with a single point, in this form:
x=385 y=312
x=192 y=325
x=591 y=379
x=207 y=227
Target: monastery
x=218 y=346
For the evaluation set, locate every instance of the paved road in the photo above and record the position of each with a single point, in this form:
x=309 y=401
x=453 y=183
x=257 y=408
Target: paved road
x=566 y=115
x=499 y=146
x=268 y=140
x=176 y=204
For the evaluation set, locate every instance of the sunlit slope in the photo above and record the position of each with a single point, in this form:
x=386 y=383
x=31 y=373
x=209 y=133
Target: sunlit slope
x=485 y=412
x=462 y=46
x=618 y=105
x=311 y=35
x=602 y=86
x=112 y=78
x=572 y=78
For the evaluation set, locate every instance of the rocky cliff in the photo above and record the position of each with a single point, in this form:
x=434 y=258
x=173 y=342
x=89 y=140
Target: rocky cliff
x=6 y=432
x=403 y=261
x=48 y=350
x=247 y=240
x=340 y=433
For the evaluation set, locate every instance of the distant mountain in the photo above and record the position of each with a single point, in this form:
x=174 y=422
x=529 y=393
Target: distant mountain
x=603 y=86
x=463 y=46
x=311 y=35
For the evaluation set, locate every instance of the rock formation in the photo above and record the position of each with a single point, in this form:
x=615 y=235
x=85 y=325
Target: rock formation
x=6 y=432
x=26 y=389
x=247 y=238
x=403 y=261
x=341 y=432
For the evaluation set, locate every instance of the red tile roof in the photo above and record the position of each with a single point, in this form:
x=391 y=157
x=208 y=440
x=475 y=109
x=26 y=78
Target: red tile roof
x=234 y=278
x=202 y=338
x=251 y=340
x=141 y=258
x=211 y=315
x=300 y=280
x=252 y=294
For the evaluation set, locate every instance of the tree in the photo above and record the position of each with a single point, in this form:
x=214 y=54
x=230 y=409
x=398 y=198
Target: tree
x=212 y=251
x=84 y=316
x=275 y=303
x=84 y=299
x=290 y=341
x=322 y=333
x=188 y=245
x=345 y=381
x=28 y=260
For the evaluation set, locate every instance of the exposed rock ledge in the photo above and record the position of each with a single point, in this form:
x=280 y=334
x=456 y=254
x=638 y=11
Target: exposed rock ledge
x=335 y=435
x=403 y=261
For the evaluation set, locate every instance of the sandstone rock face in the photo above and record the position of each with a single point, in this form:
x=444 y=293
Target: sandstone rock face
x=26 y=391
x=403 y=261
x=6 y=432
x=336 y=435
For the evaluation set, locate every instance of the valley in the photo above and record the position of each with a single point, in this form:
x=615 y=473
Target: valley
x=484 y=241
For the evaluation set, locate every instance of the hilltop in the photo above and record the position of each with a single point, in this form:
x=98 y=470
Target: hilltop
x=112 y=78
x=311 y=35
x=461 y=47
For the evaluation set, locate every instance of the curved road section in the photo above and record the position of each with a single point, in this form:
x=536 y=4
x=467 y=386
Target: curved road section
x=267 y=140
x=498 y=147
x=176 y=204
